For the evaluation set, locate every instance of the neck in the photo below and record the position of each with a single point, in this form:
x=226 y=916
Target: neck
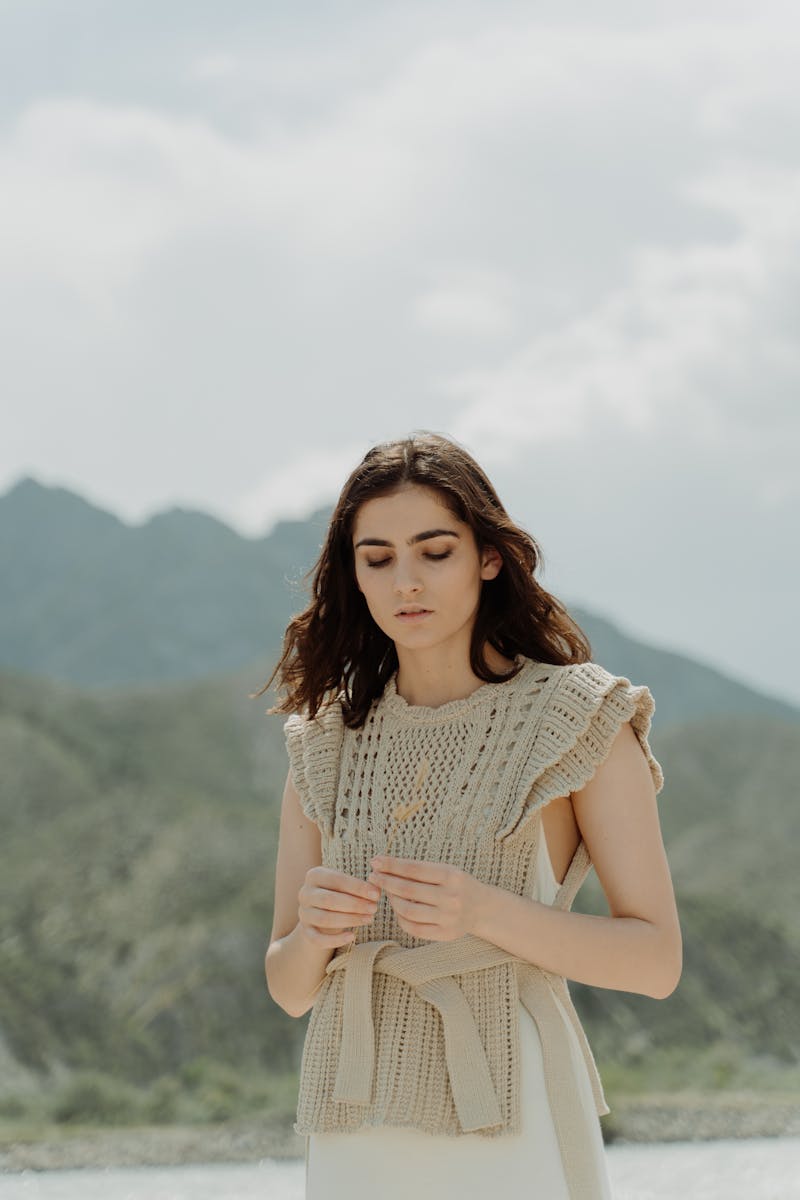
x=438 y=681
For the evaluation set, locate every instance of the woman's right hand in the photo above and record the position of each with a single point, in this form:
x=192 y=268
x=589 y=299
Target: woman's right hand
x=330 y=903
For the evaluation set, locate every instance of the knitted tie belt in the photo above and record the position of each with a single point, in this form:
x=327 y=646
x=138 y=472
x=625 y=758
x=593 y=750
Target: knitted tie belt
x=429 y=969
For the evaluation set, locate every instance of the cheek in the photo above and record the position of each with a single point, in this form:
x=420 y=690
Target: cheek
x=362 y=578
x=370 y=586
x=462 y=582
x=367 y=579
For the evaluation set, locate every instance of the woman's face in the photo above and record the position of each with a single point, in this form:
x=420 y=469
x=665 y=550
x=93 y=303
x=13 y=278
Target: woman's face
x=410 y=551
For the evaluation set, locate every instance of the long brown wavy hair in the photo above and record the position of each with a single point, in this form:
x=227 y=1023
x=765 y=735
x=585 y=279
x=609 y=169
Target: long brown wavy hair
x=335 y=646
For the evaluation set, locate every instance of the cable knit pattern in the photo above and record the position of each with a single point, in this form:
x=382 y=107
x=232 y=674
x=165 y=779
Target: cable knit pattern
x=408 y=1032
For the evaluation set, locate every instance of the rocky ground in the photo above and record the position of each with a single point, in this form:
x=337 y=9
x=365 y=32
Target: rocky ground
x=639 y=1119
x=693 y=1118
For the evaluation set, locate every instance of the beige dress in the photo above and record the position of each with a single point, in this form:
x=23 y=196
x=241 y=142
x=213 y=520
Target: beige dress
x=409 y=1164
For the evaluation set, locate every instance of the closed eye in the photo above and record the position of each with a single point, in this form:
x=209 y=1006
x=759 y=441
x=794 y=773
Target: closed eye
x=437 y=557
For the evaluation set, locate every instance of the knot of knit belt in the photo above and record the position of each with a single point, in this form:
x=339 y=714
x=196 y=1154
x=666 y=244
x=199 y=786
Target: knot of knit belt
x=429 y=970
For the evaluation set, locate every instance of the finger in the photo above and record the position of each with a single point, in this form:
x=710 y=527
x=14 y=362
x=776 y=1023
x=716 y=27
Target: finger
x=329 y=919
x=420 y=914
x=421 y=929
x=432 y=932
x=411 y=868
x=397 y=885
x=322 y=937
x=347 y=885
x=344 y=902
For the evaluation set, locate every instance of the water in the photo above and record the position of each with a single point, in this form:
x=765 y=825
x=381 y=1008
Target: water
x=752 y=1169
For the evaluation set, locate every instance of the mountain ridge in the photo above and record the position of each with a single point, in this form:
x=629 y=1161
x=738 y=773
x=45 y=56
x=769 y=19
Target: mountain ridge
x=98 y=603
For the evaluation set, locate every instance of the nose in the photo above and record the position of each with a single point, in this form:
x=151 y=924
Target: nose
x=405 y=583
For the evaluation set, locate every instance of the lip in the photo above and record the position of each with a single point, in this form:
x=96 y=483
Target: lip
x=413 y=616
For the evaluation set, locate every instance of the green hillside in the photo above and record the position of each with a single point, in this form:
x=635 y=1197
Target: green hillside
x=137 y=846
x=91 y=600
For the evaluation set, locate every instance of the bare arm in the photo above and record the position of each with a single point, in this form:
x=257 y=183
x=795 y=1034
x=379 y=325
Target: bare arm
x=300 y=949
x=638 y=947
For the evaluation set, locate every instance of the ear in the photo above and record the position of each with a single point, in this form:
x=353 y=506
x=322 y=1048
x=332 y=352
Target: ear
x=492 y=563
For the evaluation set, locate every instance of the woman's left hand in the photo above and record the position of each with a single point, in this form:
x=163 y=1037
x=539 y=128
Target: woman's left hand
x=431 y=900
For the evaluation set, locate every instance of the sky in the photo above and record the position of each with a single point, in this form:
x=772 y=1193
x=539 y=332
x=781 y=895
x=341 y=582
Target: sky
x=240 y=244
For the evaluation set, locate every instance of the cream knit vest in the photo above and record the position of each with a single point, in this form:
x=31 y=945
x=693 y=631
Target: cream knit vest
x=404 y=1031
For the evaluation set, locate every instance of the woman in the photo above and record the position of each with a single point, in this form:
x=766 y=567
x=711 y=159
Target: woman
x=457 y=763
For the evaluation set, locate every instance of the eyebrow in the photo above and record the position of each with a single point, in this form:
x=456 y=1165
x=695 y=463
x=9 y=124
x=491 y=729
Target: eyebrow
x=417 y=537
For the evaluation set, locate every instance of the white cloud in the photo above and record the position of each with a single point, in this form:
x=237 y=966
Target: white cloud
x=214 y=66
x=294 y=489
x=93 y=193
x=686 y=348
x=354 y=200
x=476 y=304
x=385 y=162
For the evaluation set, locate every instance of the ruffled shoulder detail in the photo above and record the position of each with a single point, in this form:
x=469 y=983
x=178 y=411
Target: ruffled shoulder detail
x=559 y=751
x=314 y=748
